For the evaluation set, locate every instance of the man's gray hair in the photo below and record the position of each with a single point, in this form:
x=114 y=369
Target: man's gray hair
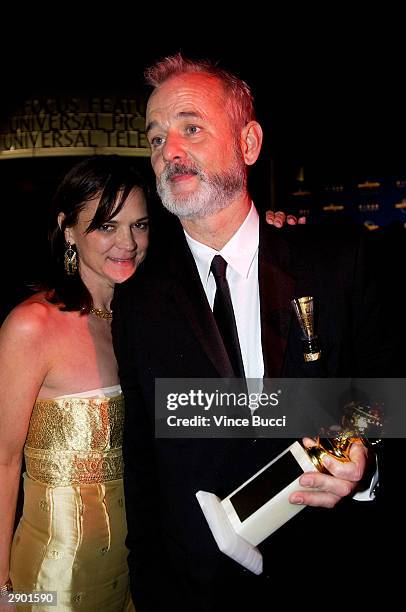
x=239 y=99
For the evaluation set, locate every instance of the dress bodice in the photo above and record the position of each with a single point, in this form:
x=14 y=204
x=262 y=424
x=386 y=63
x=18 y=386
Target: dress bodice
x=76 y=439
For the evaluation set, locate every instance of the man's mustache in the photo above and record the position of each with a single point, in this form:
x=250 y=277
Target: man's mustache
x=179 y=169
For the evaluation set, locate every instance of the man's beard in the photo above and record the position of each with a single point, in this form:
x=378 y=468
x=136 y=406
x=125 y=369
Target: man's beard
x=214 y=193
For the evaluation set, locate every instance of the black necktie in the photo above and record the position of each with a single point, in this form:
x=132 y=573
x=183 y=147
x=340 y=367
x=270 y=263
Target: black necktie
x=224 y=315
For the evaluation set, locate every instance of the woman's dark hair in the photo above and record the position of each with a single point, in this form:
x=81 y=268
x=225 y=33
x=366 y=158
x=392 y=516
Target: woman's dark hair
x=109 y=177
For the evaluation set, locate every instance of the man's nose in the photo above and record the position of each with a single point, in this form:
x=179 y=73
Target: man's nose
x=173 y=148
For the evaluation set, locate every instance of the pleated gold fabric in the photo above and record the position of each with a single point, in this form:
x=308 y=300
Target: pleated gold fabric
x=71 y=536
x=75 y=440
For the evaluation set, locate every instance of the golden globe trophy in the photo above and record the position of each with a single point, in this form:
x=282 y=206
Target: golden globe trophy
x=258 y=507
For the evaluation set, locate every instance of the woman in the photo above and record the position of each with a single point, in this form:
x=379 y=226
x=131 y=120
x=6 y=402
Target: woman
x=61 y=399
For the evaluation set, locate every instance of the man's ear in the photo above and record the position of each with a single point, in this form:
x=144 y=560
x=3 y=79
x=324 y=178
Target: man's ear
x=68 y=235
x=251 y=142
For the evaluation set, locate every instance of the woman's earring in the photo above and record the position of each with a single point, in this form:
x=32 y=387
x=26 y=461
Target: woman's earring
x=70 y=260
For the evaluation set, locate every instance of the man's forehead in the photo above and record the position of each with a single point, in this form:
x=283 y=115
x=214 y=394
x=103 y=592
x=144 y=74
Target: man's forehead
x=189 y=90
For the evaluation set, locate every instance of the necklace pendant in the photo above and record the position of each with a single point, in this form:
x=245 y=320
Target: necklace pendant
x=102 y=314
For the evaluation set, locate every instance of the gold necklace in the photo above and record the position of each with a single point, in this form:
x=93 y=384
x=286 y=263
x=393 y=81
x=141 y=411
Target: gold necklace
x=102 y=314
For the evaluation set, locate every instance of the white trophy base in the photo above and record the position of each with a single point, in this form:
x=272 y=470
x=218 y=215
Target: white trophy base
x=237 y=527
x=228 y=541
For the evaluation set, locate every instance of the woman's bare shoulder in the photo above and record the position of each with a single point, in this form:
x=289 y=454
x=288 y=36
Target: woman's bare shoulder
x=32 y=317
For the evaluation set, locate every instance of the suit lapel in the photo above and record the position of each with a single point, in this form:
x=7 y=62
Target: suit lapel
x=190 y=299
x=276 y=289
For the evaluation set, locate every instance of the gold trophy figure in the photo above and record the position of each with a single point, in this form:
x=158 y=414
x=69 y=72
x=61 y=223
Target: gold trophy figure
x=357 y=423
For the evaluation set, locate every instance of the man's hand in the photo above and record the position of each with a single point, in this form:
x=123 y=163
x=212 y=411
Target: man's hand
x=342 y=480
x=279 y=218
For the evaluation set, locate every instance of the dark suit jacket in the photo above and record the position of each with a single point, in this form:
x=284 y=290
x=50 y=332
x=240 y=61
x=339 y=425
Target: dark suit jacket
x=163 y=327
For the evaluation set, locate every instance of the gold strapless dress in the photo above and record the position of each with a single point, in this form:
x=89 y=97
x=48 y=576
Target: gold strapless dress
x=71 y=536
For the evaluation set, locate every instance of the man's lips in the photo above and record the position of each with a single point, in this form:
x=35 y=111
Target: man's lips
x=177 y=178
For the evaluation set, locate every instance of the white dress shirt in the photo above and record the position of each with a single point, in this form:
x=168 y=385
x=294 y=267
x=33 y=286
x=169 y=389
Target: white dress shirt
x=241 y=255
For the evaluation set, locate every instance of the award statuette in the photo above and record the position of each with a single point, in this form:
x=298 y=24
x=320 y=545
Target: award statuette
x=303 y=307
x=261 y=505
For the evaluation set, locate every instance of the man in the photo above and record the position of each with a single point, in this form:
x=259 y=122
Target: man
x=201 y=126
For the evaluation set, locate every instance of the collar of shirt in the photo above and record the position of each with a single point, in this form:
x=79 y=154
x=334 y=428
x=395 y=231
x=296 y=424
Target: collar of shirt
x=239 y=252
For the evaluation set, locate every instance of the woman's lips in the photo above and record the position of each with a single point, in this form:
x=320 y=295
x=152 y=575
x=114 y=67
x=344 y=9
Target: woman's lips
x=122 y=261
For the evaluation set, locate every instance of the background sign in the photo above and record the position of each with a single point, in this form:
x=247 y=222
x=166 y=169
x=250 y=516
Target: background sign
x=49 y=127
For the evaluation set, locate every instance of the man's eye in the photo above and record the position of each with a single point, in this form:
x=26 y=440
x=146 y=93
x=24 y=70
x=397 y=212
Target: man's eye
x=192 y=129
x=156 y=141
x=106 y=228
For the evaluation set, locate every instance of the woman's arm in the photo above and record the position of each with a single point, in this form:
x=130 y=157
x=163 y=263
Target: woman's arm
x=23 y=368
